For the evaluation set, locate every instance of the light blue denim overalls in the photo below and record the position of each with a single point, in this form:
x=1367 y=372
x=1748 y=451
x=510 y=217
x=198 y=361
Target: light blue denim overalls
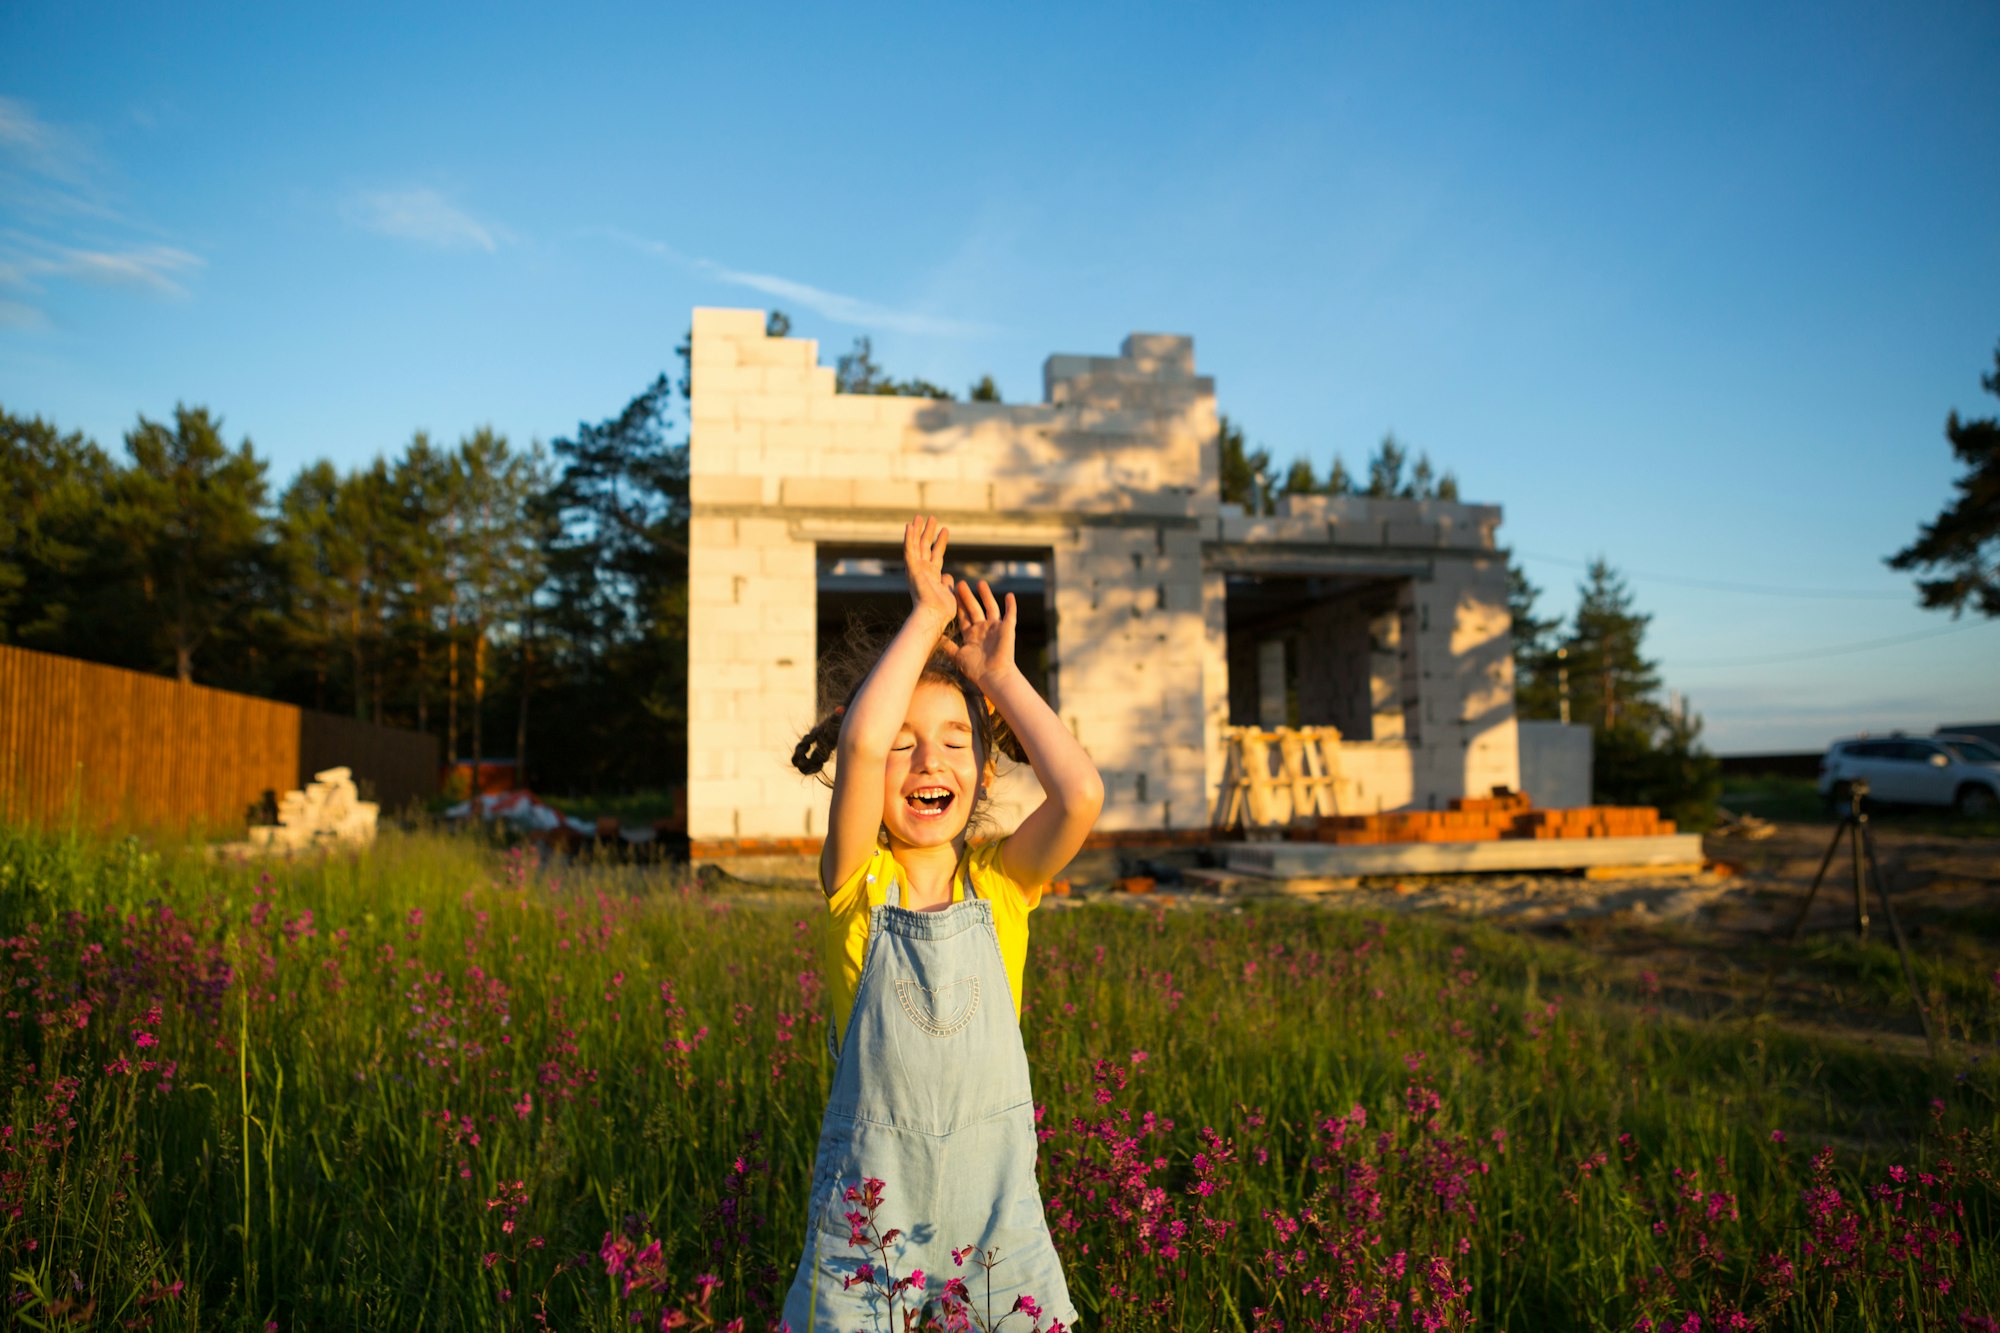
x=930 y=1095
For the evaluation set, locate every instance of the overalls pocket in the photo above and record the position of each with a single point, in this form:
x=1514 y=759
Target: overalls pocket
x=943 y=1012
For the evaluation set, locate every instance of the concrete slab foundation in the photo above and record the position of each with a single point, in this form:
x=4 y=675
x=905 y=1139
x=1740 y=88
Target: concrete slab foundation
x=1310 y=860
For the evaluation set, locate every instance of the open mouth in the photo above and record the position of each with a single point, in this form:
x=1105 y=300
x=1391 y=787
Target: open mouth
x=929 y=802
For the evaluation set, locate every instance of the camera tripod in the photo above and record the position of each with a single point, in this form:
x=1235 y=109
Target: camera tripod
x=1861 y=841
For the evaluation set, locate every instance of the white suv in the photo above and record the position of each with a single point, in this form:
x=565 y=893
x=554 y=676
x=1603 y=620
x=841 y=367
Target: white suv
x=1955 y=771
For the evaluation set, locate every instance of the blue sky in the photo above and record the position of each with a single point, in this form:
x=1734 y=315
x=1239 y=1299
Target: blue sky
x=1691 y=286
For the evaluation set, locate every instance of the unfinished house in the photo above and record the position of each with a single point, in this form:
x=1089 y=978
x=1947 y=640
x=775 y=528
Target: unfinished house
x=1154 y=616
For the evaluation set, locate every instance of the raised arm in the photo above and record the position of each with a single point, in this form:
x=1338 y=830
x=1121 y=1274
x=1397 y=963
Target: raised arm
x=871 y=722
x=1054 y=831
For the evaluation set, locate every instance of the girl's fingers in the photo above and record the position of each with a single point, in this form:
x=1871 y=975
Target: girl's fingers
x=1010 y=609
x=986 y=599
x=968 y=607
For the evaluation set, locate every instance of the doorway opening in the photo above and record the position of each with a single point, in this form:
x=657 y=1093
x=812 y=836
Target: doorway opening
x=863 y=597
x=1311 y=650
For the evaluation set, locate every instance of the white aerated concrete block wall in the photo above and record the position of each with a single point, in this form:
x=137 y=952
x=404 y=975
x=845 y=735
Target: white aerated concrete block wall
x=1115 y=475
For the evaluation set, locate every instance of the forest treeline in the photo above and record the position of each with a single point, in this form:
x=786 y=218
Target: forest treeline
x=516 y=601
x=530 y=602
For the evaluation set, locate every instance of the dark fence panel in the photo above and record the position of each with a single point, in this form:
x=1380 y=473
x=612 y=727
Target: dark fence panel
x=125 y=748
x=1793 y=764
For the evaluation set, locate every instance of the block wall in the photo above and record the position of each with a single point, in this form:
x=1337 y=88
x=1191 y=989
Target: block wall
x=1441 y=674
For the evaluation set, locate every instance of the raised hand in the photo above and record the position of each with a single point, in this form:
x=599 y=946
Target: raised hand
x=985 y=650
x=923 y=562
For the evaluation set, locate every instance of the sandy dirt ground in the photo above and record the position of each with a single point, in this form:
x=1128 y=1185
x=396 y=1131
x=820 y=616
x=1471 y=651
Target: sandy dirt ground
x=1711 y=945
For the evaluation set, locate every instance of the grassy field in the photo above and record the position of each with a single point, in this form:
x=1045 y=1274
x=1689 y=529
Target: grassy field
x=437 y=1086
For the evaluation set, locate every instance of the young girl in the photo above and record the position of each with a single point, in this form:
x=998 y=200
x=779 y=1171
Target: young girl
x=928 y=939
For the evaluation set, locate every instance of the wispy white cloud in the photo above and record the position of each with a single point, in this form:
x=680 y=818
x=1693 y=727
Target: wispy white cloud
x=39 y=147
x=18 y=315
x=27 y=261
x=61 y=226
x=423 y=215
x=836 y=306
x=48 y=171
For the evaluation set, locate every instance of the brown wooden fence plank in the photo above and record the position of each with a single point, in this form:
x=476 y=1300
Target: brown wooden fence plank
x=142 y=749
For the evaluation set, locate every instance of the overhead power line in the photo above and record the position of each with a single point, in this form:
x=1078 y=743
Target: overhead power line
x=1837 y=650
x=1726 y=585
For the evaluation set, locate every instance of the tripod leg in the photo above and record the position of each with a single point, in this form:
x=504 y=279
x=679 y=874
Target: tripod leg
x=1902 y=945
x=1860 y=898
x=1813 y=892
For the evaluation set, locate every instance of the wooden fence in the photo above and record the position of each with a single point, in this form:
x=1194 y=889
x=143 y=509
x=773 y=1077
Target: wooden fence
x=122 y=748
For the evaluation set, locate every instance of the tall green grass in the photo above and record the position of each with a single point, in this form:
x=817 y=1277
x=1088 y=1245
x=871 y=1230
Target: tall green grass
x=434 y=1086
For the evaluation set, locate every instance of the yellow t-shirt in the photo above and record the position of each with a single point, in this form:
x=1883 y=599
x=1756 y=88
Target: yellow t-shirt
x=848 y=908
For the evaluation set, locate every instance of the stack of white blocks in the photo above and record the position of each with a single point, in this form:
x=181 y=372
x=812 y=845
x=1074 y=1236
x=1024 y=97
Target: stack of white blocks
x=328 y=811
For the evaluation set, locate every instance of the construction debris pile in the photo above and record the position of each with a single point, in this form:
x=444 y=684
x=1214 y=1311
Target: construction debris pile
x=329 y=812
x=1504 y=814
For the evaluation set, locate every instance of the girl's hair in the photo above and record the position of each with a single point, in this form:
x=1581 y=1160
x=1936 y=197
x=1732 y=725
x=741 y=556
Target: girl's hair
x=841 y=677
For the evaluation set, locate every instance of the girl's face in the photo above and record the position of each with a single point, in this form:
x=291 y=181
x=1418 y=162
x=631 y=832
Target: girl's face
x=934 y=770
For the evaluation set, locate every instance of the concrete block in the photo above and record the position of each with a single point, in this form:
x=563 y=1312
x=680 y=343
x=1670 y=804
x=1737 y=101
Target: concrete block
x=708 y=407
x=822 y=381
x=712 y=589
x=1409 y=533
x=1303 y=506
x=902 y=497
x=1166 y=503
x=726 y=322
x=866 y=438
x=763 y=532
x=817 y=493
x=943 y=496
x=710 y=353
x=723 y=440
x=794 y=561
x=801 y=436
x=708 y=533
x=1160 y=353
x=776 y=464
x=732 y=617
x=1357 y=532
x=788 y=618
x=793 y=354
x=771 y=408
x=725 y=490
x=1455 y=531
x=731 y=380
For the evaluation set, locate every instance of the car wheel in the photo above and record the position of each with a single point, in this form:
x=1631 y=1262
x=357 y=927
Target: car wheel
x=1977 y=802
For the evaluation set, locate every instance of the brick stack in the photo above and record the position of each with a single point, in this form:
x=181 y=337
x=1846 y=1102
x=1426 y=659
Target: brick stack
x=1504 y=814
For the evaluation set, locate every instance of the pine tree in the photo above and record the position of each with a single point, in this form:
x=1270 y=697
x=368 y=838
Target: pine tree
x=501 y=563
x=1611 y=682
x=1339 y=481
x=190 y=509
x=1537 y=684
x=1300 y=479
x=1385 y=469
x=1244 y=472
x=51 y=489
x=1962 y=544
x=421 y=486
